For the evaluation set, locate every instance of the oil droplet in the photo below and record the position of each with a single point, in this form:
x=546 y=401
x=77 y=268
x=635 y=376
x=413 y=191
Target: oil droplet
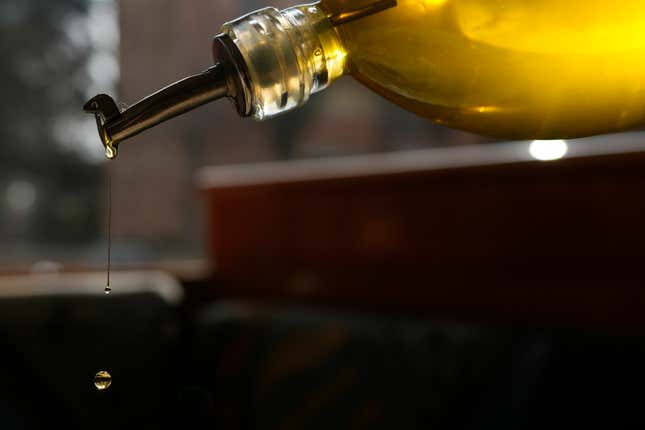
x=102 y=380
x=110 y=151
x=108 y=290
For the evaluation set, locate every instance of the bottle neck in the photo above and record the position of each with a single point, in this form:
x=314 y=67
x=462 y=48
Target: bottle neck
x=268 y=62
x=283 y=57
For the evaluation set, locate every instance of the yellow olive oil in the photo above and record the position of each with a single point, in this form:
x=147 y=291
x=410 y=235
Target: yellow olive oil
x=102 y=380
x=507 y=68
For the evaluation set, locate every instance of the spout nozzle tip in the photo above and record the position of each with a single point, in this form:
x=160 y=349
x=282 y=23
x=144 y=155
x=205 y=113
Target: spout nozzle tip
x=104 y=109
x=91 y=106
x=111 y=151
x=102 y=104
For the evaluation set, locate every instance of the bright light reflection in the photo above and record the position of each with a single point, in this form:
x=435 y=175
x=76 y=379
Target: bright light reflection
x=434 y=2
x=547 y=150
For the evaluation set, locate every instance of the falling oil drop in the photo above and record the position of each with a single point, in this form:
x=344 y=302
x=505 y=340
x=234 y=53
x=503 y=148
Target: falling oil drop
x=107 y=290
x=102 y=380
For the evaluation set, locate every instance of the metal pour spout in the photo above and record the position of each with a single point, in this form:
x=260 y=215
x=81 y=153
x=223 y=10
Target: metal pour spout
x=115 y=126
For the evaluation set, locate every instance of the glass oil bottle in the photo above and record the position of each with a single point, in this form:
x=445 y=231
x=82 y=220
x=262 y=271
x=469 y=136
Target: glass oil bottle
x=515 y=69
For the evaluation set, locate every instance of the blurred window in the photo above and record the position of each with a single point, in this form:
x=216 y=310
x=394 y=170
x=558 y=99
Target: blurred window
x=54 y=55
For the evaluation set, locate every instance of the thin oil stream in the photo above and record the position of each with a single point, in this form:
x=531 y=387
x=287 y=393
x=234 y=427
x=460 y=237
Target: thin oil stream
x=103 y=379
x=108 y=289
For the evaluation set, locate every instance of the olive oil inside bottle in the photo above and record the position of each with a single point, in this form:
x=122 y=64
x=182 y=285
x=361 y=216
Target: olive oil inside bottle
x=513 y=68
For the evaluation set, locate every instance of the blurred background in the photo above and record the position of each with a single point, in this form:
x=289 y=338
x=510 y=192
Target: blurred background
x=346 y=265
x=53 y=173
